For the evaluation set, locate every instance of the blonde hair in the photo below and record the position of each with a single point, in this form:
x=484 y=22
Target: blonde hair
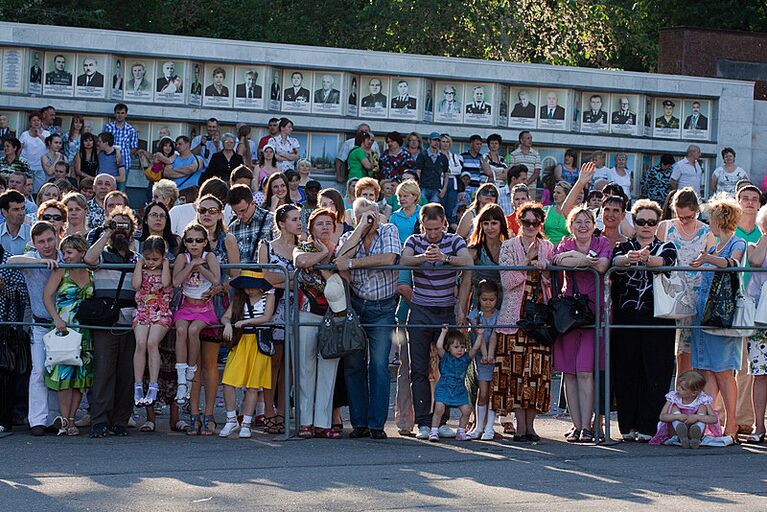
x=43 y=189
x=578 y=210
x=166 y=188
x=692 y=380
x=78 y=198
x=305 y=162
x=725 y=211
x=646 y=204
x=76 y=242
x=408 y=187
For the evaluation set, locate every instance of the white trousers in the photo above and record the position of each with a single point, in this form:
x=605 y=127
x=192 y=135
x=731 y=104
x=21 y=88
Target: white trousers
x=43 y=402
x=317 y=376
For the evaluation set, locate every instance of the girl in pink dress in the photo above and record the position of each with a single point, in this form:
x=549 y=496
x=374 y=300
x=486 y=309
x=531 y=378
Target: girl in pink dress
x=153 y=284
x=688 y=413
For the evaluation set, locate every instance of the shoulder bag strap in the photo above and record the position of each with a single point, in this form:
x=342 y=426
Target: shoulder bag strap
x=254 y=254
x=119 y=288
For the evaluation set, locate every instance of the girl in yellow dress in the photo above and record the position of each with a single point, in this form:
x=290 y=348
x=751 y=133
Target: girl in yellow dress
x=247 y=366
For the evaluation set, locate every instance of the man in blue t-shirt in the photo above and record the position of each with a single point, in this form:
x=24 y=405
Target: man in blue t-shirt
x=187 y=168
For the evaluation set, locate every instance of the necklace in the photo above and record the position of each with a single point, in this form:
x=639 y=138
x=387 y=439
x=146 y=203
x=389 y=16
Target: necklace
x=685 y=234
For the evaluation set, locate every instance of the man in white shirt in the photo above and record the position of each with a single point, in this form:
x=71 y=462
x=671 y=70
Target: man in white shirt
x=601 y=171
x=687 y=171
x=209 y=142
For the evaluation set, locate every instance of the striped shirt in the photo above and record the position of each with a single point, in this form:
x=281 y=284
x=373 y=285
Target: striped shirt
x=370 y=283
x=435 y=288
x=531 y=159
x=473 y=165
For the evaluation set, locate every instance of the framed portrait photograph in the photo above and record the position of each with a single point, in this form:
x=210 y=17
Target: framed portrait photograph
x=138 y=79
x=647 y=113
x=34 y=71
x=296 y=96
x=326 y=92
x=478 y=103
x=428 y=100
x=594 y=112
x=374 y=101
x=159 y=129
x=170 y=82
x=403 y=98
x=697 y=122
x=249 y=87
x=524 y=112
x=624 y=113
x=91 y=82
x=273 y=77
x=12 y=70
x=449 y=102
x=323 y=150
x=218 y=80
x=116 y=77
x=503 y=105
x=59 y=74
x=666 y=122
x=552 y=109
x=10 y=125
x=194 y=79
x=352 y=95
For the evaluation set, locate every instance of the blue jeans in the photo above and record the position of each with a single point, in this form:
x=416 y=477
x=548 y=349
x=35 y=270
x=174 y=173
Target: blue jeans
x=450 y=201
x=367 y=375
x=431 y=195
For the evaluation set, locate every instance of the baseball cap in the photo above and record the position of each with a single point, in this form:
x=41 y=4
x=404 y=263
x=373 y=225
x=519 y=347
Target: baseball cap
x=434 y=135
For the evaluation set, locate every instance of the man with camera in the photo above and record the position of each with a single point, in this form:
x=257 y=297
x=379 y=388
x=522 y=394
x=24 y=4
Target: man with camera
x=112 y=393
x=208 y=143
x=373 y=294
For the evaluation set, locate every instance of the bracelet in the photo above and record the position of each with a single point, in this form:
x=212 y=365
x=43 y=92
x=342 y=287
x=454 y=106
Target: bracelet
x=350 y=263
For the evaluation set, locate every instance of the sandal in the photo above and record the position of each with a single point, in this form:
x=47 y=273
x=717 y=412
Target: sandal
x=508 y=428
x=180 y=426
x=574 y=436
x=206 y=421
x=337 y=427
x=148 y=426
x=138 y=394
x=326 y=433
x=196 y=427
x=181 y=392
x=587 y=436
x=72 y=429
x=306 y=432
x=99 y=430
x=755 y=438
x=276 y=426
x=151 y=394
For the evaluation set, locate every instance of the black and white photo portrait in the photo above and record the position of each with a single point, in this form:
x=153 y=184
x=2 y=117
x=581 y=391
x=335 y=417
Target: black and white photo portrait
x=296 y=96
x=35 y=72
x=552 y=112
x=327 y=93
x=478 y=104
x=169 y=86
x=248 y=88
x=218 y=85
x=90 y=83
x=403 y=99
x=274 y=92
x=403 y=103
x=353 y=92
x=503 y=105
x=449 y=107
x=138 y=79
x=374 y=103
x=594 y=115
x=667 y=123
x=552 y=109
x=59 y=69
x=624 y=114
x=696 y=122
x=523 y=113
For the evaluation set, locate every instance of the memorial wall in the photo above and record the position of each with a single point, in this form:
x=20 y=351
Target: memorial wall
x=178 y=82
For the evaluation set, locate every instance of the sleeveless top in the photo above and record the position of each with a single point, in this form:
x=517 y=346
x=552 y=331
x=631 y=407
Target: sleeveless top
x=555 y=225
x=485 y=259
x=108 y=163
x=279 y=311
x=196 y=284
x=688 y=250
x=90 y=167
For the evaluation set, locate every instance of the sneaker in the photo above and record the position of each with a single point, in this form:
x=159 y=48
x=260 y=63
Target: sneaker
x=487 y=436
x=476 y=434
x=695 y=436
x=643 y=438
x=132 y=422
x=462 y=436
x=446 y=432
x=245 y=431
x=682 y=434
x=229 y=427
x=433 y=438
x=423 y=432
x=85 y=421
x=630 y=437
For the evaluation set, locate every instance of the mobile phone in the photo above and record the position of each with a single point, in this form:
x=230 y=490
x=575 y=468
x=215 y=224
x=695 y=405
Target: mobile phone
x=592 y=254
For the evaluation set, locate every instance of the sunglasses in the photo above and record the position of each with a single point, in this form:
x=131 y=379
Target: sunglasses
x=530 y=223
x=491 y=193
x=194 y=240
x=49 y=217
x=646 y=222
x=213 y=211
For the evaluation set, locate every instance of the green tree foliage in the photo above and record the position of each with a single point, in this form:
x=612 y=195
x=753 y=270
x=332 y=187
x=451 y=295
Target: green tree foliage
x=597 y=33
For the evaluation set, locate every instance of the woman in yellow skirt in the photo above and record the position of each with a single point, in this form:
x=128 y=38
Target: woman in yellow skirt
x=248 y=364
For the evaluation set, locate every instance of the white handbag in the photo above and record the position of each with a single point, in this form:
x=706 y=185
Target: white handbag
x=761 y=307
x=670 y=296
x=745 y=312
x=63 y=349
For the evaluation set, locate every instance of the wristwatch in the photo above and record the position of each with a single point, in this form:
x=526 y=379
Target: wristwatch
x=350 y=263
x=447 y=259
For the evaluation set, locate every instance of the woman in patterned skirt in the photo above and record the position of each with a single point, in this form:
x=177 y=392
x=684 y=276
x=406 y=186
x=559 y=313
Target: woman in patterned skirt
x=522 y=376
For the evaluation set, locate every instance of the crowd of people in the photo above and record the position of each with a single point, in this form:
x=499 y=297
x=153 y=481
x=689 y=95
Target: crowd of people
x=221 y=200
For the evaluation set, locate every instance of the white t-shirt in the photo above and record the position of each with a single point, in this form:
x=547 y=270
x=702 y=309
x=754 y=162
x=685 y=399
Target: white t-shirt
x=287 y=146
x=687 y=175
x=182 y=214
x=726 y=181
x=623 y=181
x=601 y=173
x=33 y=149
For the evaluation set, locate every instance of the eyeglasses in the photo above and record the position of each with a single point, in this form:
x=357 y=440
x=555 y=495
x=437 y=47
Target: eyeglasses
x=213 y=210
x=450 y=92
x=55 y=217
x=530 y=223
x=646 y=222
x=156 y=215
x=194 y=240
x=489 y=192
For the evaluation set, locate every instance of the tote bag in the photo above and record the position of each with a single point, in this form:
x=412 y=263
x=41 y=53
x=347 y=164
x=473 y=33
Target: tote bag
x=671 y=297
x=761 y=308
x=63 y=348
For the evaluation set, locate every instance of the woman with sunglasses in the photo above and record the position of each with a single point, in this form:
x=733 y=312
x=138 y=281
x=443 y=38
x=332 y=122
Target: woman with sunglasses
x=210 y=214
x=642 y=360
x=486 y=194
x=55 y=212
x=522 y=365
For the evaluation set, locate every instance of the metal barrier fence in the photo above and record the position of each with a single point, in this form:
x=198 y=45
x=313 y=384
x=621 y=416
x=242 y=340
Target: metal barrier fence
x=608 y=325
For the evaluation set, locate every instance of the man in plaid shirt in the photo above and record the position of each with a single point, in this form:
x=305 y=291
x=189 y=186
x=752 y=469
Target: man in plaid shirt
x=126 y=136
x=373 y=291
x=251 y=225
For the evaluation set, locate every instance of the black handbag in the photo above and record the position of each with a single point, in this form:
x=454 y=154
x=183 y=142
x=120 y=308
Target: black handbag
x=15 y=348
x=570 y=312
x=537 y=320
x=341 y=336
x=101 y=311
x=721 y=303
x=264 y=338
